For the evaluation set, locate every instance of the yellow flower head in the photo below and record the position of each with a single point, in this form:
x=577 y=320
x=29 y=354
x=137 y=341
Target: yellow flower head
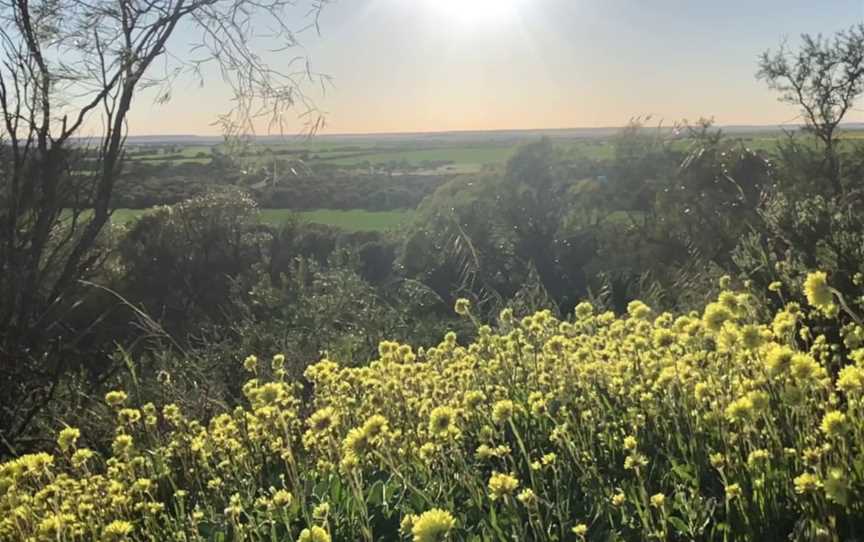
x=117 y=530
x=778 y=359
x=442 y=421
x=502 y=485
x=314 y=534
x=807 y=483
x=122 y=444
x=740 y=409
x=115 y=398
x=502 y=411
x=583 y=310
x=462 y=307
x=82 y=456
x=715 y=316
x=321 y=511
x=67 y=438
x=278 y=362
x=129 y=416
x=282 y=498
x=635 y=461
x=323 y=420
x=433 y=526
x=638 y=310
x=851 y=380
x=757 y=458
x=473 y=399
x=733 y=491
x=833 y=424
x=818 y=292
x=528 y=498
x=250 y=363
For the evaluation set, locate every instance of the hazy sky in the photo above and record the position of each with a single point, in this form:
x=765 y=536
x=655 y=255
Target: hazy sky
x=429 y=65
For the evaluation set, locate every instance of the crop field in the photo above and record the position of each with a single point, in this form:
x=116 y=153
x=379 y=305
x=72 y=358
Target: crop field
x=350 y=220
x=477 y=156
x=466 y=158
x=450 y=153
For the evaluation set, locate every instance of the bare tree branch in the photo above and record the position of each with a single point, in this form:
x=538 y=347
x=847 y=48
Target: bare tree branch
x=72 y=67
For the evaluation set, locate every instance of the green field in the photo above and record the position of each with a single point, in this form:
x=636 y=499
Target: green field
x=461 y=155
x=353 y=220
x=477 y=156
x=470 y=157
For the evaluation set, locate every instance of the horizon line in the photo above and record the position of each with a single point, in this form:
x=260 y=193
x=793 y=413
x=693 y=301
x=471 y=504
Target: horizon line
x=858 y=124
x=473 y=131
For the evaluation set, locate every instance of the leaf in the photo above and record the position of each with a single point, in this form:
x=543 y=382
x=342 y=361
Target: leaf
x=684 y=473
x=375 y=495
x=679 y=524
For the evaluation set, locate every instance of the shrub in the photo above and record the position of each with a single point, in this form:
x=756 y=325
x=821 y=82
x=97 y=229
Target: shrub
x=179 y=261
x=704 y=426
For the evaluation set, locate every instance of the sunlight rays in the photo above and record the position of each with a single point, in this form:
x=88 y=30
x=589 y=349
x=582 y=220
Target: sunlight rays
x=475 y=13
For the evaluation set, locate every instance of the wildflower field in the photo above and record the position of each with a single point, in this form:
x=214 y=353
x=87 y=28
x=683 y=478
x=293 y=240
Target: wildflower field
x=728 y=424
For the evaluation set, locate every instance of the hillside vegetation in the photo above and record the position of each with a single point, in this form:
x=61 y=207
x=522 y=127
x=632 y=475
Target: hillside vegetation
x=724 y=425
x=658 y=335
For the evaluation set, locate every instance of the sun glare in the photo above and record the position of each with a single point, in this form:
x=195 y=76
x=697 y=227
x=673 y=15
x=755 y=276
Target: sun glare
x=476 y=12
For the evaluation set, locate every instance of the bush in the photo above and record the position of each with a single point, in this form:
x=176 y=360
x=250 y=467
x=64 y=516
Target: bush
x=713 y=426
x=179 y=262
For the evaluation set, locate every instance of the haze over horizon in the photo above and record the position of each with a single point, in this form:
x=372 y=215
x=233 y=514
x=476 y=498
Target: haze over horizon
x=461 y=65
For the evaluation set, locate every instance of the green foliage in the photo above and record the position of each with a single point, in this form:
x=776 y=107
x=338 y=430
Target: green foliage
x=654 y=222
x=349 y=220
x=178 y=262
x=802 y=234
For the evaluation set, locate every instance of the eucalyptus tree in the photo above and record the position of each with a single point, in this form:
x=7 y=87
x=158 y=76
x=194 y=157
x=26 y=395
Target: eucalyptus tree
x=824 y=78
x=70 y=73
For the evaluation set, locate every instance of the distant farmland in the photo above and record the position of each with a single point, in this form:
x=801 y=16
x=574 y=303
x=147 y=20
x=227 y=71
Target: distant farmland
x=461 y=153
x=335 y=169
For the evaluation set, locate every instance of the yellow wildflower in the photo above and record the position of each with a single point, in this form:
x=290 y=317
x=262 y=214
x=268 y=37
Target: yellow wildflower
x=433 y=526
x=819 y=293
x=502 y=485
x=314 y=534
x=833 y=424
x=580 y=530
x=116 y=398
x=67 y=438
x=502 y=411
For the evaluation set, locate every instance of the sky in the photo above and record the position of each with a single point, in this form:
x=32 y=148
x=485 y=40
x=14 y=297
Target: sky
x=443 y=65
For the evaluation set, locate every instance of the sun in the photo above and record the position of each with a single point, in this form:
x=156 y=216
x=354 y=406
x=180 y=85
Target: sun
x=475 y=12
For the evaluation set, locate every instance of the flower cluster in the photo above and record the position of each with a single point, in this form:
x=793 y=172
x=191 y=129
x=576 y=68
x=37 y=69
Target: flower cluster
x=600 y=426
